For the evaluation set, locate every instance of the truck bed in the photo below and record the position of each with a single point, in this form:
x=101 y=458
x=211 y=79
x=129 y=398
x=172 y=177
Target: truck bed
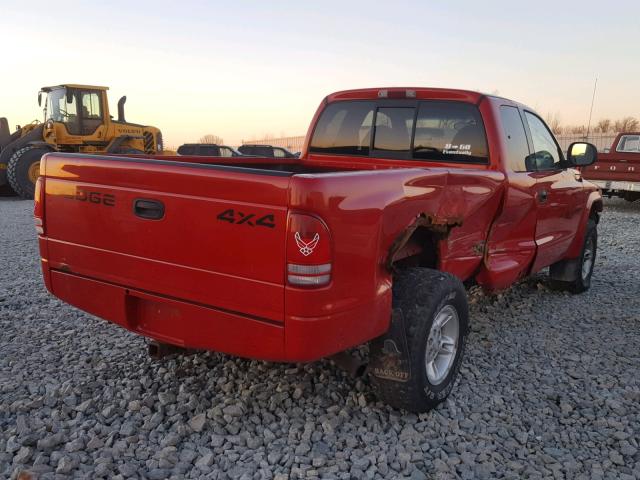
x=288 y=166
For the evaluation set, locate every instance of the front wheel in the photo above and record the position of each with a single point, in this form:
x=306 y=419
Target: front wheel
x=434 y=310
x=23 y=170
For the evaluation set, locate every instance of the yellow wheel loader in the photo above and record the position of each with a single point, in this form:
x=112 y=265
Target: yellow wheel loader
x=76 y=119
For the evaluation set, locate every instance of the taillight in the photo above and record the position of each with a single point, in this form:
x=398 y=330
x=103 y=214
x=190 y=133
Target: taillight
x=308 y=251
x=38 y=206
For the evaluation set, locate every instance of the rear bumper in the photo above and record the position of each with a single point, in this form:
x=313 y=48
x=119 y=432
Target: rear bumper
x=204 y=327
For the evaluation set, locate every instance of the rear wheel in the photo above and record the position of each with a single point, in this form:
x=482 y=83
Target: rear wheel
x=436 y=319
x=23 y=170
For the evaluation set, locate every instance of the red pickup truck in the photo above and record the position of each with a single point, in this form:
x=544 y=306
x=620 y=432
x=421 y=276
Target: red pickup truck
x=399 y=196
x=617 y=171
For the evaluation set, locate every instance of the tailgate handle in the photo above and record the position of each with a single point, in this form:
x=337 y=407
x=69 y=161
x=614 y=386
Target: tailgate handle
x=148 y=209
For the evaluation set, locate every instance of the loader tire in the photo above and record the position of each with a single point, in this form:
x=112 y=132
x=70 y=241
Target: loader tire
x=436 y=320
x=23 y=170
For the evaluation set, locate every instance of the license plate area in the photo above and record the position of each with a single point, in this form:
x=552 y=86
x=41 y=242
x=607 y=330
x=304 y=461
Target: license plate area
x=154 y=317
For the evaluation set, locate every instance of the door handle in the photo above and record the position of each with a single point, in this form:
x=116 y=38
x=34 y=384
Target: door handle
x=542 y=196
x=148 y=209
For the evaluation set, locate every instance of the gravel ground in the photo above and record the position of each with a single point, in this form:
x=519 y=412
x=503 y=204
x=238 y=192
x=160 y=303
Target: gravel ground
x=550 y=387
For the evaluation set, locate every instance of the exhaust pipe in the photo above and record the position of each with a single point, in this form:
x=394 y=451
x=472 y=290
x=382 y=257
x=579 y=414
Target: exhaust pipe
x=121 y=103
x=159 y=350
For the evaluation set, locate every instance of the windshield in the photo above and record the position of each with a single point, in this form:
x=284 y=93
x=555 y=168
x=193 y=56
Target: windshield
x=57 y=108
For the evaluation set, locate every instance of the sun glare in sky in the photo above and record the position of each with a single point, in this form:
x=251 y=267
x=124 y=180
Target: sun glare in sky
x=242 y=70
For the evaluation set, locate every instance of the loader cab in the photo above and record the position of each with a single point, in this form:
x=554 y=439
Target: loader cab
x=81 y=109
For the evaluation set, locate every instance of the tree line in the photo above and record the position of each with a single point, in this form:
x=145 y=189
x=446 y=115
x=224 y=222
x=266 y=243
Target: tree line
x=605 y=125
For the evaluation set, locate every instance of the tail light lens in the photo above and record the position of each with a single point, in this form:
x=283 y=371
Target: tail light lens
x=308 y=251
x=38 y=206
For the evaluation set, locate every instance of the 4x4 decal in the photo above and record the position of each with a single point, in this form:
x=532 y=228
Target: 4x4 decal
x=238 y=218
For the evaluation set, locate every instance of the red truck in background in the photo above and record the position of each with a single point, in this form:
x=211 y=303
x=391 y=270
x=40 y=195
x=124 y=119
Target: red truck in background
x=617 y=171
x=399 y=196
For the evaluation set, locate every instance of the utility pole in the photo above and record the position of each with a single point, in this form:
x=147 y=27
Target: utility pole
x=593 y=98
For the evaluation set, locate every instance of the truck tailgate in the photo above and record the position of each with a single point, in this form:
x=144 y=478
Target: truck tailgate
x=613 y=169
x=171 y=229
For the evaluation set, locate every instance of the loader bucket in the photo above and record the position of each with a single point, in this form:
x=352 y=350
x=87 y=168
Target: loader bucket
x=5 y=133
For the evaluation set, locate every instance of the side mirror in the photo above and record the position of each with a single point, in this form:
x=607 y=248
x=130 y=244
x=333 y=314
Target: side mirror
x=39 y=99
x=581 y=154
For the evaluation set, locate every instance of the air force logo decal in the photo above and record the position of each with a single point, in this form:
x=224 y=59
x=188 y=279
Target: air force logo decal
x=307 y=248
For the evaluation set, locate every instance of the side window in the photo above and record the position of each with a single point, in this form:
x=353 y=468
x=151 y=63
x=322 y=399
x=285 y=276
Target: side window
x=517 y=147
x=209 y=151
x=91 y=112
x=629 y=143
x=186 y=150
x=91 y=105
x=450 y=132
x=394 y=126
x=344 y=128
x=546 y=154
x=225 y=152
x=279 y=153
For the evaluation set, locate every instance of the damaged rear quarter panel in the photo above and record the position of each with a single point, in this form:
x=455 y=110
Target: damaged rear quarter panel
x=366 y=211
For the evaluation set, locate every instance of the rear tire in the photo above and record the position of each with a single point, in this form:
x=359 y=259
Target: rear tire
x=436 y=319
x=586 y=263
x=23 y=170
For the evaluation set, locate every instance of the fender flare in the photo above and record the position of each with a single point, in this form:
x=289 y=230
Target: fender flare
x=594 y=204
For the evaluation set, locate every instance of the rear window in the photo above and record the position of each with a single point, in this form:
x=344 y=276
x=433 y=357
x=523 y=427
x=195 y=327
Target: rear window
x=444 y=131
x=450 y=131
x=393 y=129
x=344 y=128
x=629 y=143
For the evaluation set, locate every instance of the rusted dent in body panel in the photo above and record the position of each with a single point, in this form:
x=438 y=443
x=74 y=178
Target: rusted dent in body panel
x=440 y=226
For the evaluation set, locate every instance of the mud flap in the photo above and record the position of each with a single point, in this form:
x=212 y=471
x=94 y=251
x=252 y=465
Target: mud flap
x=566 y=270
x=389 y=354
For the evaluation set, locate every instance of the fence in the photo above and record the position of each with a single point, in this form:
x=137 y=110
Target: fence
x=600 y=140
x=293 y=144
